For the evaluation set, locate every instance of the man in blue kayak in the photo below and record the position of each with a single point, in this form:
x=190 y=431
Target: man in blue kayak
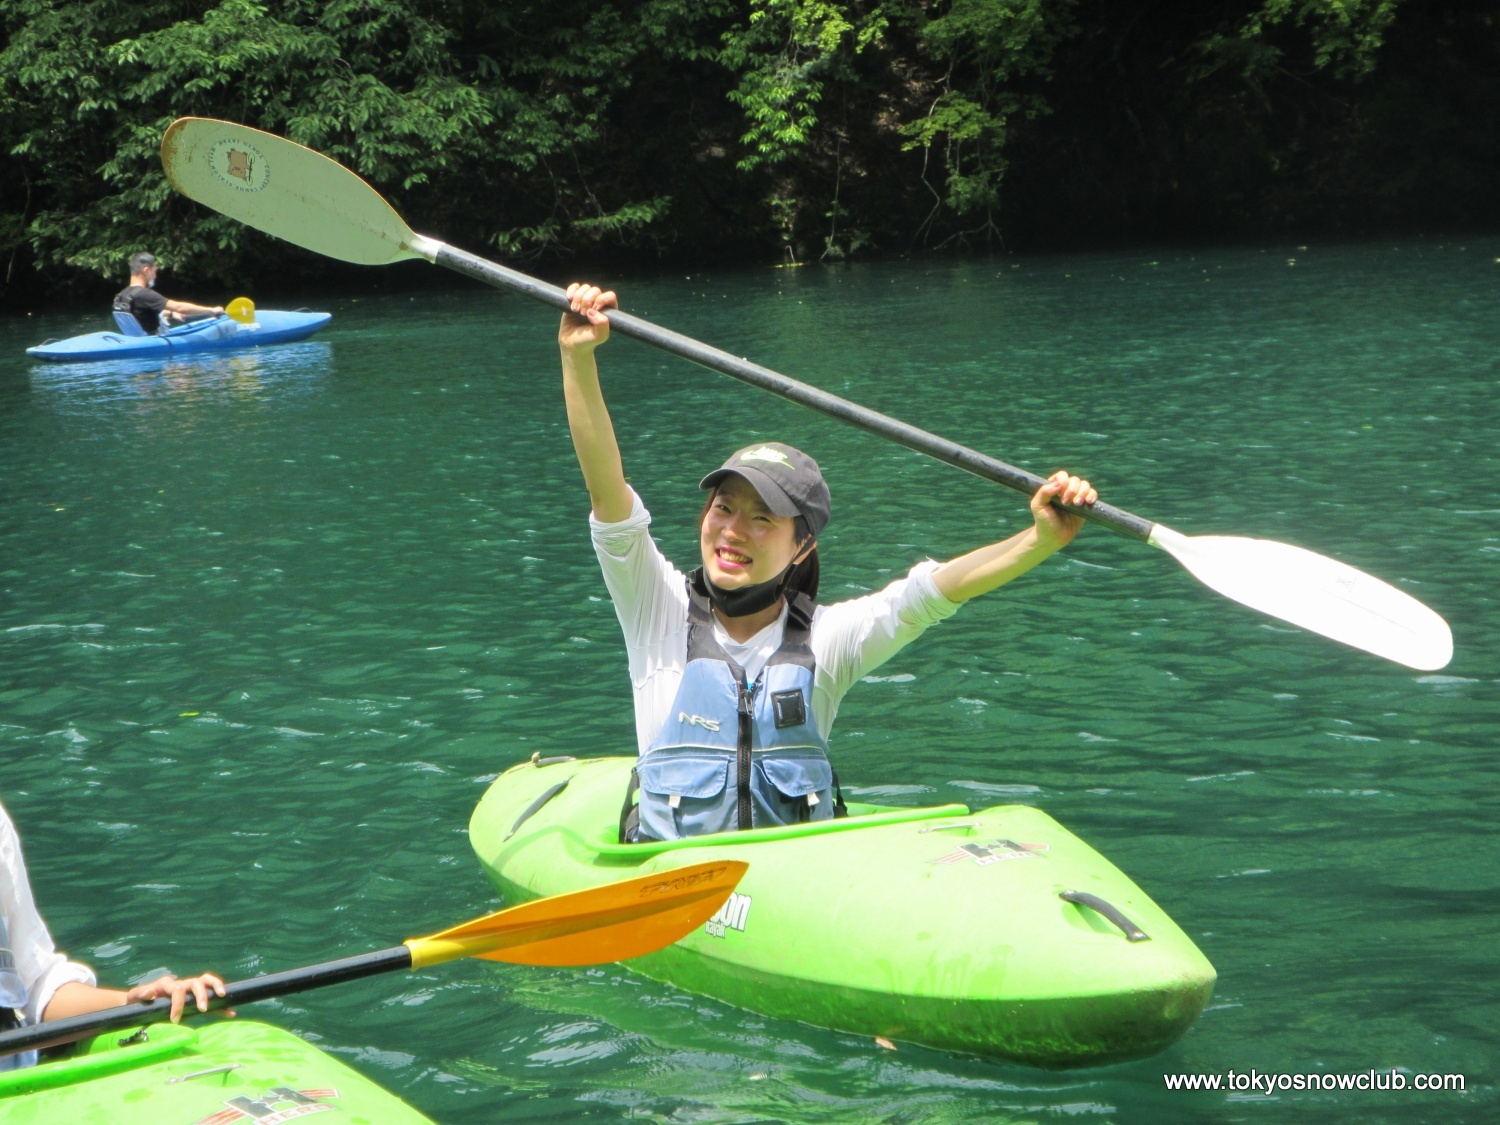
x=151 y=310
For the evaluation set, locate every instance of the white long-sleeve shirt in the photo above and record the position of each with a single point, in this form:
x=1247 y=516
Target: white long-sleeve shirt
x=849 y=639
x=42 y=968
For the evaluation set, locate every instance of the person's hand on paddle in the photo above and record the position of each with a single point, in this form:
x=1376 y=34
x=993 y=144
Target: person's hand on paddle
x=183 y=311
x=1056 y=528
x=586 y=326
x=983 y=570
x=178 y=990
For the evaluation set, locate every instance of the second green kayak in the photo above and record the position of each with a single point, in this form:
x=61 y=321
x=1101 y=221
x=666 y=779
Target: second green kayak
x=217 y=1073
x=995 y=932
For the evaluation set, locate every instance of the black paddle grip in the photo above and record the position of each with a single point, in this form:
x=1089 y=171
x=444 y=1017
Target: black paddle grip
x=950 y=453
x=55 y=1032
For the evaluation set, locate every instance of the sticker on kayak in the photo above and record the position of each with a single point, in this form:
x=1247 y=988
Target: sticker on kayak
x=239 y=165
x=731 y=916
x=266 y=1109
x=993 y=852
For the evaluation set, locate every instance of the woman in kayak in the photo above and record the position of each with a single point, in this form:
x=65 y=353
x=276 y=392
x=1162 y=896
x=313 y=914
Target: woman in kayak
x=38 y=983
x=737 y=673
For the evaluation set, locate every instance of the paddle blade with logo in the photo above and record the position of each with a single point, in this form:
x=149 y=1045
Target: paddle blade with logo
x=622 y=920
x=241 y=309
x=245 y=173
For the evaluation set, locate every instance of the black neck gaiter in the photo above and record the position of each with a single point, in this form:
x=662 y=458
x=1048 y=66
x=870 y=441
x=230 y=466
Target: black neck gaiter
x=747 y=599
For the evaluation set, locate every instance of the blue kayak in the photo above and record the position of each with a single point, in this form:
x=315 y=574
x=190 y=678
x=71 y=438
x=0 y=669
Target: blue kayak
x=219 y=333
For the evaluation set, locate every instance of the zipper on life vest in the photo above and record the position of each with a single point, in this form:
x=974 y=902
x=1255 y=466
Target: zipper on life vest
x=746 y=716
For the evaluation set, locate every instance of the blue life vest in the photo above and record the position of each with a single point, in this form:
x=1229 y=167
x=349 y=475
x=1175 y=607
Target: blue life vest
x=12 y=1000
x=733 y=755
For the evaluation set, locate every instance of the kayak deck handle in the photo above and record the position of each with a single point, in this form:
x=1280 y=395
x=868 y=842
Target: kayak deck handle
x=531 y=809
x=1131 y=931
x=204 y=1073
x=539 y=761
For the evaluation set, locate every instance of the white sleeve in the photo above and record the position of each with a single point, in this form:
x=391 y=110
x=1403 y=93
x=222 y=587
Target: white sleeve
x=850 y=639
x=649 y=593
x=42 y=968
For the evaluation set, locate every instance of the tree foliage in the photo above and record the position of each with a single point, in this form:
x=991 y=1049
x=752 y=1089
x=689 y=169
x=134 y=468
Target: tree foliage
x=443 y=104
x=707 y=128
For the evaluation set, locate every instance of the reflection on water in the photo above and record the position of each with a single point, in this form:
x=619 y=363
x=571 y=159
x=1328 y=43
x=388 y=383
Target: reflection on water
x=237 y=375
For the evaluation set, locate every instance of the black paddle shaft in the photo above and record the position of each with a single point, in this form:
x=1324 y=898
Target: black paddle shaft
x=54 y=1032
x=948 y=452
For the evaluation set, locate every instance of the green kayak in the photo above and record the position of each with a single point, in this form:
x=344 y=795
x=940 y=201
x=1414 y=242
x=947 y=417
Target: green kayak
x=213 y=1074
x=995 y=932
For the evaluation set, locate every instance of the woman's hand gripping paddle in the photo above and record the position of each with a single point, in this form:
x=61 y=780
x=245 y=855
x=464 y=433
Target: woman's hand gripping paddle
x=281 y=188
x=602 y=924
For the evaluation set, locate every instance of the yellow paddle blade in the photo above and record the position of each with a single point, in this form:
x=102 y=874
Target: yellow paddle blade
x=241 y=309
x=610 y=923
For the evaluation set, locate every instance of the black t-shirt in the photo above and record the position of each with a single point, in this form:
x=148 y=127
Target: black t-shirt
x=146 y=305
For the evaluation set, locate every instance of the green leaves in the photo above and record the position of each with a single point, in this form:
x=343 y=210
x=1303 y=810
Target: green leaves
x=446 y=104
x=783 y=52
x=1345 y=33
x=986 y=48
x=791 y=127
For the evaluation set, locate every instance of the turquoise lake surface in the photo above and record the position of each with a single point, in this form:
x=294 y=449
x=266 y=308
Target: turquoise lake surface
x=270 y=622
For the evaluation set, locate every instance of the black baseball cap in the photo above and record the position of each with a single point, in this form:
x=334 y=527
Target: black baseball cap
x=788 y=480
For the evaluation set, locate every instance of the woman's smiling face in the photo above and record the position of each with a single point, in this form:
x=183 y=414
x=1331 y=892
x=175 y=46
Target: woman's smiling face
x=743 y=542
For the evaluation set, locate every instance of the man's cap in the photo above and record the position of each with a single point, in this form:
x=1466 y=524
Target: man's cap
x=140 y=261
x=788 y=480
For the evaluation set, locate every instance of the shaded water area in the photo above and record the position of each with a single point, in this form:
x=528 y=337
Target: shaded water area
x=271 y=622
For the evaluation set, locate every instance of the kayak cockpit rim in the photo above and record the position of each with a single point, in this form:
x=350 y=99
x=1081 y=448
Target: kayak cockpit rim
x=607 y=843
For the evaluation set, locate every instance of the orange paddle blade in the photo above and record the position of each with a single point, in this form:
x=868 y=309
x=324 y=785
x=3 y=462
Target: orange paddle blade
x=609 y=923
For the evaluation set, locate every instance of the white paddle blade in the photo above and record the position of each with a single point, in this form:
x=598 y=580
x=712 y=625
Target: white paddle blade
x=1315 y=592
x=277 y=186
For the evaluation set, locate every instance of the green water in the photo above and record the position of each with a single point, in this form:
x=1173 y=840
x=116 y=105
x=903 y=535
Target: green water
x=271 y=622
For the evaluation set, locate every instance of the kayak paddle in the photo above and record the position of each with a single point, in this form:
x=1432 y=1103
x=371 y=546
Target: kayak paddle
x=284 y=189
x=241 y=309
x=610 y=923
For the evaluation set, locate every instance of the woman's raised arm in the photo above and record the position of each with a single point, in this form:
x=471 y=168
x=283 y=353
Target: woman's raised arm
x=581 y=331
x=980 y=571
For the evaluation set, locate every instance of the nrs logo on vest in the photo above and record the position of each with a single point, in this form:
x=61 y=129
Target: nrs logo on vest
x=697 y=721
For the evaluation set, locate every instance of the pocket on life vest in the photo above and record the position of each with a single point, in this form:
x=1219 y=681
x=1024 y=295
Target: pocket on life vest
x=685 y=795
x=694 y=777
x=797 y=777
